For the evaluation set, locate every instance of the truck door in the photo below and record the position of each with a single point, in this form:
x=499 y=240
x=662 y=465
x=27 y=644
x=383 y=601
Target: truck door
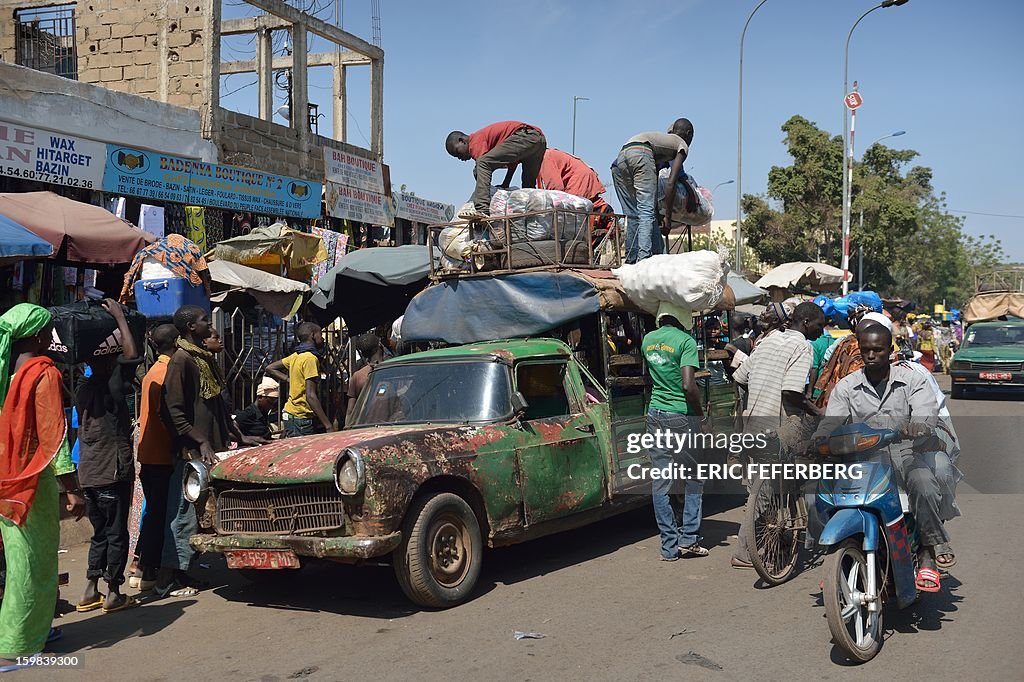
x=561 y=464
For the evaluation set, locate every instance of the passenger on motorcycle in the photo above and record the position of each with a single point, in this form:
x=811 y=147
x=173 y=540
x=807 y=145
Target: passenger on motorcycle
x=886 y=395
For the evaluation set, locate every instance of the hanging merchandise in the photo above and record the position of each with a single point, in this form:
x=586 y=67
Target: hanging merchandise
x=18 y=276
x=195 y=221
x=151 y=219
x=116 y=205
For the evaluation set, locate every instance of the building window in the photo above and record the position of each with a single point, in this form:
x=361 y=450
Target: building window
x=46 y=39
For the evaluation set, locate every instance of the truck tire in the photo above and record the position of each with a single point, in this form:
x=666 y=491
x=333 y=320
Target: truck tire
x=956 y=391
x=438 y=563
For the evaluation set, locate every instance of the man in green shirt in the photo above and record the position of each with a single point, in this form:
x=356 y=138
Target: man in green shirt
x=675 y=408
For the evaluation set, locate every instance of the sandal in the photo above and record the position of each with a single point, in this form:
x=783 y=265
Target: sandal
x=90 y=606
x=928 y=575
x=944 y=551
x=129 y=602
x=694 y=550
x=175 y=590
x=54 y=635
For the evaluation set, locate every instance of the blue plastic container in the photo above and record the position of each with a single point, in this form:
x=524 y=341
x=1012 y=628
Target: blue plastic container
x=162 y=297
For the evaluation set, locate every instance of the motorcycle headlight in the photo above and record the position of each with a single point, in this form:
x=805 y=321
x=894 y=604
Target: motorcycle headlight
x=196 y=480
x=349 y=473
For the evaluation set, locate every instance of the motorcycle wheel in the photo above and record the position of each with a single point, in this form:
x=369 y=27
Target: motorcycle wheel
x=855 y=630
x=772 y=535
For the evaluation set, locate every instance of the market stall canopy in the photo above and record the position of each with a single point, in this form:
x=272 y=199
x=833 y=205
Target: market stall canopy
x=80 y=233
x=743 y=290
x=274 y=246
x=370 y=287
x=990 y=306
x=17 y=243
x=815 y=276
x=279 y=295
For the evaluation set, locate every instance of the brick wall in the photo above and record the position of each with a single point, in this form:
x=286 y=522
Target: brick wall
x=155 y=48
x=254 y=143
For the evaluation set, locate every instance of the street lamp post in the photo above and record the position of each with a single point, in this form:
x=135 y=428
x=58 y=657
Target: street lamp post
x=848 y=144
x=575 y=98
x=739 y=149
x=715 y=188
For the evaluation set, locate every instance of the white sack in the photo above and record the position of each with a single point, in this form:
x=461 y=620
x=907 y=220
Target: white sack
x=695 y=279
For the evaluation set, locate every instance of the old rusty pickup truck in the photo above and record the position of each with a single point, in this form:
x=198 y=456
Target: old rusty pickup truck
x=490 y=443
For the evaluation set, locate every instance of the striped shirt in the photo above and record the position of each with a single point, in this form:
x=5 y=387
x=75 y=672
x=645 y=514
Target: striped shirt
x=781 y=362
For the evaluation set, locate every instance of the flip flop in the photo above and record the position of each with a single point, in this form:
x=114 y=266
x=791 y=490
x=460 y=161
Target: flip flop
x=926 y=575
x=91 y=606
x=129 y=602
x=175 y=590
x=55 y=634
x=945 y=565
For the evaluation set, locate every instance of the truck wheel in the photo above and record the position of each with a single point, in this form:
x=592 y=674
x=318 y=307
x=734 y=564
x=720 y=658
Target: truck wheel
x=956 y=391
x=438 y=562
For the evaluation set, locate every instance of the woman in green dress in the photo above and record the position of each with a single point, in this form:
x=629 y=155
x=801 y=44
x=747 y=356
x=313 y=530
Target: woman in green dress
x=33 y=455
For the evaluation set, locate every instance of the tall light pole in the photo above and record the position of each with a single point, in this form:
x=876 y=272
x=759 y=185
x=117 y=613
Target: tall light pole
x=575 y=98
x=739 y=149
x=847 y=143
x=886 y=137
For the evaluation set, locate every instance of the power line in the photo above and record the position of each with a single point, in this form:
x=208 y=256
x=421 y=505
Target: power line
x=991 y=215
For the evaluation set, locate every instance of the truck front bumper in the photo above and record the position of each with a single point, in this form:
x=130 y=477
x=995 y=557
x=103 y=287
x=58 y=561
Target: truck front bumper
x=349 y=547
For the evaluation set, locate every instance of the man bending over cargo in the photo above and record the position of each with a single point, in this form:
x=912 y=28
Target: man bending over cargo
x=507 y=143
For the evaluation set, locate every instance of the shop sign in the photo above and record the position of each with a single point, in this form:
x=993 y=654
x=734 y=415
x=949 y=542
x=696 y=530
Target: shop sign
x=153 y=175
x=352 y=203
x=420 y=210
x=354 y=171
x=45 y=156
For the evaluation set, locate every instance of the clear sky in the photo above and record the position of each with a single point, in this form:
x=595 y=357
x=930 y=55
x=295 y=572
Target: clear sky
x=949 y=72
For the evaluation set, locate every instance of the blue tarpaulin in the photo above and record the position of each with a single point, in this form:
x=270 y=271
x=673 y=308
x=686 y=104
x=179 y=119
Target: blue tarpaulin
x=506 y=306
x=16 y=242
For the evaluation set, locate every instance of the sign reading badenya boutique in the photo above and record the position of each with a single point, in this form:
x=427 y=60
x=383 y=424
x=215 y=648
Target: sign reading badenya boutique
x=163 y=177
x=46 y=156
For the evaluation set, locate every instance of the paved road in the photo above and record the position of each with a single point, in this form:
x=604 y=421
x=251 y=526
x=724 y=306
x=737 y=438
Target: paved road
x=609 y=608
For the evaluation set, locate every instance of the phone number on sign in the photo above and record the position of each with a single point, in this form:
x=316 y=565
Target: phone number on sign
x=29 y=174
x=49 y=661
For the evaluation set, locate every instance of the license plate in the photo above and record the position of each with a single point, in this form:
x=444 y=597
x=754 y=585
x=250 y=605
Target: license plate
x=996 y=376
x=262 y=558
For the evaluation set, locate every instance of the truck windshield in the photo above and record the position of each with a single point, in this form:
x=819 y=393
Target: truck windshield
x=446 y=392
x=994 y=336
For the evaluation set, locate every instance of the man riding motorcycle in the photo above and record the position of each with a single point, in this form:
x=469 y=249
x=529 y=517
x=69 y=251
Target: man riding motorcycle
x=886 y=395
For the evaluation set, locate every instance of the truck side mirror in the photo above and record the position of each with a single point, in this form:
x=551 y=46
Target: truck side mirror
x=519 y=404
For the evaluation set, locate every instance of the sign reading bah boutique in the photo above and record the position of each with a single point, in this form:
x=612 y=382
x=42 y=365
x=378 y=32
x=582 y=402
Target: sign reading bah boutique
x=46 y=156
x=152 y=175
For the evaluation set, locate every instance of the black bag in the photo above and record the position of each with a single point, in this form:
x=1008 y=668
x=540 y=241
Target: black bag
x=84 y=331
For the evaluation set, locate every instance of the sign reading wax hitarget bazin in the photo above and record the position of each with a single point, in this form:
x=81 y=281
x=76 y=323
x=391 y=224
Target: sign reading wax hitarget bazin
x=47 y=156
x=152 y=175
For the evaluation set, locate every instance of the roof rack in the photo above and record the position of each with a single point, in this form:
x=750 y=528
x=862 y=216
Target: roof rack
x=501 y=245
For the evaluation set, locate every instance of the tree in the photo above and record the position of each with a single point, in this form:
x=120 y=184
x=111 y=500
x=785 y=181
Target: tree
x=913 y=247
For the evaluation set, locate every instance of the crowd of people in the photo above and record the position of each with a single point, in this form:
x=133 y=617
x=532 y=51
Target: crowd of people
x=798 y=381
x=184 y=413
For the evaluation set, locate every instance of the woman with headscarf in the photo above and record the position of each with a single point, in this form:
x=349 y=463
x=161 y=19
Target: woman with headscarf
x=842 y=358
x=33 y=454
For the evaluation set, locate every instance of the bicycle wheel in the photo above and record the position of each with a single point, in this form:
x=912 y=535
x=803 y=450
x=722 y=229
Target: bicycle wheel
x=772 y=530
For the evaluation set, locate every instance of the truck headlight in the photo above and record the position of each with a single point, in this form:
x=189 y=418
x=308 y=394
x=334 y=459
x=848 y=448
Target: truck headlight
x=196 y=480
x=961 y=364
x=349 y=473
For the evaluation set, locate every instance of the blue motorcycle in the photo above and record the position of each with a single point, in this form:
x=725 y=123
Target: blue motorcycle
x=871 y=540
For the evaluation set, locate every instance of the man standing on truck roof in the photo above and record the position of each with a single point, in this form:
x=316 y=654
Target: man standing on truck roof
x=567 y=173
x=507 y=143
x=635 y=175
x=671 y=355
